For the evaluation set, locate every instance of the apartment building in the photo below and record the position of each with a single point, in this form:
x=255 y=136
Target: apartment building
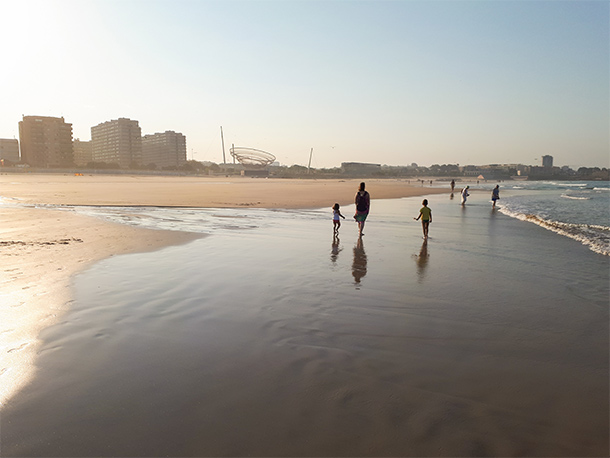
x=45 y=141
x=166 y=149
x=118 y=141
x=9 y=150
x=547 y=162
x=83 y=153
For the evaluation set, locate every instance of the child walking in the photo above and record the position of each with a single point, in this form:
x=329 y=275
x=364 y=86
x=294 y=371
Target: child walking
x=425 y=213
x=336 y=220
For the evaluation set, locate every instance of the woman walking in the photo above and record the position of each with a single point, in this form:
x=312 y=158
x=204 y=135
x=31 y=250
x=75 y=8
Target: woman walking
x=363 y=203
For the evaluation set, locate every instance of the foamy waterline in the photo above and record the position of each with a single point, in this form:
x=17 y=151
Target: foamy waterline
x=594 y=236
x=566 y=196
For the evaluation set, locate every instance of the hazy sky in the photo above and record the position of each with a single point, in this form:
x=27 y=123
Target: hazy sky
x=390 y=82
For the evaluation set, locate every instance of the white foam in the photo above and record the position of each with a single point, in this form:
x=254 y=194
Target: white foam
x=596 y=237
x=565 y=196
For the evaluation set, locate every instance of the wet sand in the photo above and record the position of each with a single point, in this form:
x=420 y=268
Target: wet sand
x=273 y=339
x=41 y=247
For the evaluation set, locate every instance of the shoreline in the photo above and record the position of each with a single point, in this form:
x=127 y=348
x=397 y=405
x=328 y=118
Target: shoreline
x=41 y=250
x=43 y=244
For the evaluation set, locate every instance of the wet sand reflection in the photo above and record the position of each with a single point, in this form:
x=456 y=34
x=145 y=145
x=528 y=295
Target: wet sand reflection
x=422 y=260
x=359 y=265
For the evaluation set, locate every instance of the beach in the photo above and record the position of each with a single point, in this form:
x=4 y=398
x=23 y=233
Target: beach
x=44 y=242
x=255 y=332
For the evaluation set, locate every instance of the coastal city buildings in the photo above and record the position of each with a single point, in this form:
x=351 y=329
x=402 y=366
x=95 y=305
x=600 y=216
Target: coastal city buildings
x=118 y=141
x=356 y=168
x=547 y=161
x=9 y=150
x=83 y=153
x=166 y=149
x=45 y=141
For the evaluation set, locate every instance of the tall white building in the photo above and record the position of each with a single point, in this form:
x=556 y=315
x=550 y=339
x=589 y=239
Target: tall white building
x=117 y=142
x=167 y=149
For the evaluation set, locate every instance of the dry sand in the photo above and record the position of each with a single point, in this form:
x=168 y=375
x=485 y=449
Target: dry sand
x=41 y=248
x=208 y=192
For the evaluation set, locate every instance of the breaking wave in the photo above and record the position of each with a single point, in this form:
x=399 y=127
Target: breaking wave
x=596 y=237
x=566 y=196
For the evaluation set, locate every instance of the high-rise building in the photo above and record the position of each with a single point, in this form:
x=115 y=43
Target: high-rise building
x=117 y=142
x=9 y=150
x=82 y=152
x=167 y=149
x=45 y=141
x=547 y=162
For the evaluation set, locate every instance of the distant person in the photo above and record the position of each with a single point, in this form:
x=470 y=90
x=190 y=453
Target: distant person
x=465 y=194
x=336 y=220
x=425 y=213
x=495 y=195
x=452 y=185
x=363 y=204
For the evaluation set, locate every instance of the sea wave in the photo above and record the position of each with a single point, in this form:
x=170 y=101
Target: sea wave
x=596 y=237
x=566 y=196
x=601 y=189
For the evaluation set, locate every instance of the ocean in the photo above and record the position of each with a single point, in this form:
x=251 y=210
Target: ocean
x=271 y=337
x=579 y=210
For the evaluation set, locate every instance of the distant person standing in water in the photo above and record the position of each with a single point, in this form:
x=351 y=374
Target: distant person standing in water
x=452 y=185
x=425 y=213
x=363 y=204
x=495 y=195
x=336 y=220
x=465 y=194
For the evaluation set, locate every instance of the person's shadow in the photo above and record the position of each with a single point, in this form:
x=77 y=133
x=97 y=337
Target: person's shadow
x=422 y=260
x=359 y=265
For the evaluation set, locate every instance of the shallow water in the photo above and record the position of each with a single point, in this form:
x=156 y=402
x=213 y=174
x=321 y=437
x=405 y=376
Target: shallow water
x=270 y=338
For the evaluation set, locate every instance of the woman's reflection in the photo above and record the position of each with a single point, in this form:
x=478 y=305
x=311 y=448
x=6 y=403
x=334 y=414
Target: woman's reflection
x=359 y=265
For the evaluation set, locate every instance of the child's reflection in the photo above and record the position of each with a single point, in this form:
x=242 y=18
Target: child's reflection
x=359 y=265
x=422 y=260
x=334 y=251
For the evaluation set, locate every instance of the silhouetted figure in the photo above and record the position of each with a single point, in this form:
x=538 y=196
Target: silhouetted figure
x=465 y=194
x=425 y=213
x=363 y=204
x=495 y=195
x=336 y=220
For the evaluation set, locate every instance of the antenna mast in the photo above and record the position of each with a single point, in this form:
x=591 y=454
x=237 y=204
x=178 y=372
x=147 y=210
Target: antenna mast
x=309 y=165
x=224 y=159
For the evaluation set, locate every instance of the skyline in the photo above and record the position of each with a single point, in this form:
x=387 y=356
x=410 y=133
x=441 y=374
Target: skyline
x=390 y=82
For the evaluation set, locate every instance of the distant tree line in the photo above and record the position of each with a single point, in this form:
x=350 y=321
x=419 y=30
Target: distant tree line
x=384 y=171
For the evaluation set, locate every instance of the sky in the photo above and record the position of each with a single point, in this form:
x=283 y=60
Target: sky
x=388 y=82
